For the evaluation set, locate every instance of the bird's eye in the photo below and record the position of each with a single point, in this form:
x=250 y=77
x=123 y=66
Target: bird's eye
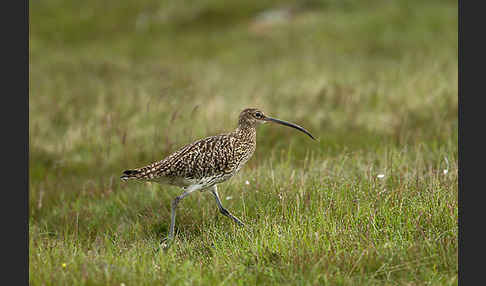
x=258 y=115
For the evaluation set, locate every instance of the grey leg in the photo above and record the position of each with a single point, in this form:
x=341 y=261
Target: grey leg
x=175 y=202
x=214 y=191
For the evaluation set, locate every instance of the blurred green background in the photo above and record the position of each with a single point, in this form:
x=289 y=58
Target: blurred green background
x=137 y=78
x=119 y=84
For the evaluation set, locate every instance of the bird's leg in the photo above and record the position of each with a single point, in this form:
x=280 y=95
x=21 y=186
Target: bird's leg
x=175 y=202
x=214 y=191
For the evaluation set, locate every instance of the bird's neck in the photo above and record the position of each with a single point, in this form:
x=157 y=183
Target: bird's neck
x=246 y=133
x=245 y=143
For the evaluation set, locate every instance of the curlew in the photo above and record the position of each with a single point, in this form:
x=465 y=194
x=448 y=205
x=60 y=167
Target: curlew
x=207 y=162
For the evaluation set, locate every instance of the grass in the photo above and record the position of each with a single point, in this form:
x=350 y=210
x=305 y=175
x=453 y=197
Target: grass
x=118 y=85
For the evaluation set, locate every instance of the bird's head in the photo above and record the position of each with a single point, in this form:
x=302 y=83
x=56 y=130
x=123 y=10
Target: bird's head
x=251 y=117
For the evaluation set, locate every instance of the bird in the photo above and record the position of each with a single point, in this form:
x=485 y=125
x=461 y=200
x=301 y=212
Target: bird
x=207 y=162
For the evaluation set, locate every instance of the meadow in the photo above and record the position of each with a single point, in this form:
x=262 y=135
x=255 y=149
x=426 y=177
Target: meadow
x=115 y=85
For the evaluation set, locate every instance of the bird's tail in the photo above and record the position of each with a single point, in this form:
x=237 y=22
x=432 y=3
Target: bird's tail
x=130 y=174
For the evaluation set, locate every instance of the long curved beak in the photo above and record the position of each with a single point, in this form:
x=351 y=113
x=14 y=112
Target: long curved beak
x=289 y=125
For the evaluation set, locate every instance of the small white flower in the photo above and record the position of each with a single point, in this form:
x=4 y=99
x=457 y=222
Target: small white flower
x=246 y=182
x=229 y=198
x=380 y=176
x=445 y=171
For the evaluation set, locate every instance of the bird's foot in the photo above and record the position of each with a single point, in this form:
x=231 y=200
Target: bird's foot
x=165 y=243
x=239 y=222
x=228 y=214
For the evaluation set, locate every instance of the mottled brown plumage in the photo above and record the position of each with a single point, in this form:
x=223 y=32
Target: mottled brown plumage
x=207 y=162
